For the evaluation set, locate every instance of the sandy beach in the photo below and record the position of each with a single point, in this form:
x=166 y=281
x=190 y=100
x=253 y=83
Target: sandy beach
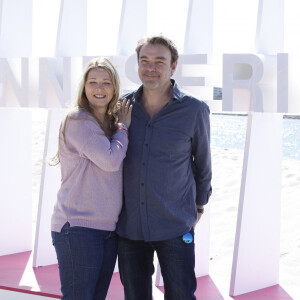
x=227 y=170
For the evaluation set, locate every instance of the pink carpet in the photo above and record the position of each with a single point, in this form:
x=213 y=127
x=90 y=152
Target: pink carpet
x=16 y=274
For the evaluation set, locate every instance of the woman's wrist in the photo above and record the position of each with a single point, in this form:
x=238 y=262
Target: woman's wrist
x=120 y=125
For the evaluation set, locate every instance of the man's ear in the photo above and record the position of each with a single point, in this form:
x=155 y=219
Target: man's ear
x=173 y=67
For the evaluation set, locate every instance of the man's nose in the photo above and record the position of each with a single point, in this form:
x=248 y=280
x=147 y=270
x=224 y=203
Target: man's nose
x=151 y=66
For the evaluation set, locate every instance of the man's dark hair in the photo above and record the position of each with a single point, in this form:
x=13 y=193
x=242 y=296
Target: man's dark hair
x=158 y=40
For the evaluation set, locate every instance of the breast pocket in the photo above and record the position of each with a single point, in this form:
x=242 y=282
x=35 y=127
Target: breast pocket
x=171 y=142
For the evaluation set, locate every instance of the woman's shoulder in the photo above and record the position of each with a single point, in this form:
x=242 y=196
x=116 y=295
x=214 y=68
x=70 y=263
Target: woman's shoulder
x=83 y=121
x=80 y=121
x=78 y=113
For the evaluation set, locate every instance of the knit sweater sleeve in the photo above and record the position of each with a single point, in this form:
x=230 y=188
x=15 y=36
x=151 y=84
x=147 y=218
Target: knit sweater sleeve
x=87 y=138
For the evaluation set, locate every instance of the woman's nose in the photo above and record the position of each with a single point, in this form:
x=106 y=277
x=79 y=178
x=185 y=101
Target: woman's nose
x=100 y=86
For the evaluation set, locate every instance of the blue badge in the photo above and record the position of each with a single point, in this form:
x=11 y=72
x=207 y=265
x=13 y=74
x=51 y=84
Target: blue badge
x=187 y=238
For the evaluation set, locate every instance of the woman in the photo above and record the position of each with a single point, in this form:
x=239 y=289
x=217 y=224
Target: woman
x=93 y=141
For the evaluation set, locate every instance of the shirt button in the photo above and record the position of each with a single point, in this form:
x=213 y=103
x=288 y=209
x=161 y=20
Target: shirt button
x=142 y=184
x=146 y=145
x=143 y=164
x=142 y=203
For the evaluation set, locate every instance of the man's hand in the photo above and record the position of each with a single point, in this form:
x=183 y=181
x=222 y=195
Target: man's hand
x=200 y=209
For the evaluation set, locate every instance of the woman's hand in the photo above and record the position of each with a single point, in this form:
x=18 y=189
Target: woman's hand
x=124 y=109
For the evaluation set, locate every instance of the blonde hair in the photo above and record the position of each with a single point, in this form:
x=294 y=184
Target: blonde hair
x=82 y=101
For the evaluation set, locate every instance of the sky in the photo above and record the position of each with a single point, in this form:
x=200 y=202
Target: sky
x=234 y=24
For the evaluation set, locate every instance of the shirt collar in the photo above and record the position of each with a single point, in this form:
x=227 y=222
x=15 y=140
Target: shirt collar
x=176 y=93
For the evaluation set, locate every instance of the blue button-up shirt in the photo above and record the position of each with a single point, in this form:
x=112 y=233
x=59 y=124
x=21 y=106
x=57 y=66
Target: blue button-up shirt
x=167 y=169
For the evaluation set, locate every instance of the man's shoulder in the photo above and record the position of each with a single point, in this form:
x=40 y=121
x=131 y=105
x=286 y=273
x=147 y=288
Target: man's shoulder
x=192 y=100
x=130 y=94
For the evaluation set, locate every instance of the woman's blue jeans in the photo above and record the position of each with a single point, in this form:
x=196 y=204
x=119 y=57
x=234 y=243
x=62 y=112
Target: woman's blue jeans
x=86 y=260
x=177 y=262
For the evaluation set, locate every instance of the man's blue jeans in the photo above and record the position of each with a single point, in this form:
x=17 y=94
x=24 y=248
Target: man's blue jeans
x=86 y=260
x=177 y=262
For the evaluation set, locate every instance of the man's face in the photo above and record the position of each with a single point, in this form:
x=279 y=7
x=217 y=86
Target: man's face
x=155 y=68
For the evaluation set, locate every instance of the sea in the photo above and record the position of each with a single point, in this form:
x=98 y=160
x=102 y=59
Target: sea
x=229 y=131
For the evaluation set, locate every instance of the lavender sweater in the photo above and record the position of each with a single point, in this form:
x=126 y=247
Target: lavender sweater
x=91 y=168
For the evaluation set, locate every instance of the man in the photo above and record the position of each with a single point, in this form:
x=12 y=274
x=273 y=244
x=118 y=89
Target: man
x=167 y=178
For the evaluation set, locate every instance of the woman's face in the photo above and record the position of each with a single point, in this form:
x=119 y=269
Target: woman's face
x=99 y=89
